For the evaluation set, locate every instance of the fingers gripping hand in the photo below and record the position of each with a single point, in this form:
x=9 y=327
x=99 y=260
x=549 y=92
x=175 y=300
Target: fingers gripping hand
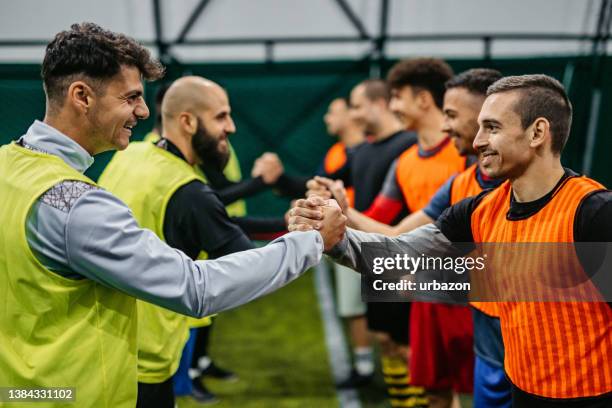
x=333 y=226
x=316 y=213
x=337 y=190
x=318 y=188
x=320 y=192
x=306 y=214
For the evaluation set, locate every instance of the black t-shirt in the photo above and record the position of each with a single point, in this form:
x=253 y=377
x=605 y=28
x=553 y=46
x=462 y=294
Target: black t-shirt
x=593 y=221
x=369 y=165
x=196 y=220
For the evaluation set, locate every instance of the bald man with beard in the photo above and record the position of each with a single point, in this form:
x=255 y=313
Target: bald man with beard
x=167 y=193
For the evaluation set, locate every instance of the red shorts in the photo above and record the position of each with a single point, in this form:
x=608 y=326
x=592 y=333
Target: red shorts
x=441 y=342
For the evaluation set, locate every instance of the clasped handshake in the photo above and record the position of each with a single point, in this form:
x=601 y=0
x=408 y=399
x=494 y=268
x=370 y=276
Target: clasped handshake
x=323 y=209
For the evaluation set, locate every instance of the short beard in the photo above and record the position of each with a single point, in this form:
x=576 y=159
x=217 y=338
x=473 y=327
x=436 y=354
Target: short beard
x=206 y=147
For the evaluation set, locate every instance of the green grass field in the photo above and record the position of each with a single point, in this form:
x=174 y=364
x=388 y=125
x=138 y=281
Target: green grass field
x=276 y=345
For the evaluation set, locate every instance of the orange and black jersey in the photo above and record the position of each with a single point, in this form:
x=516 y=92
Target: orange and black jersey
x=335 y=158
x=414 y=178
x=420 y=173
x=593 y=222
x=553 y=350
x=336 y=165
x=337 y=161
x=470 y=182
x=370 y=164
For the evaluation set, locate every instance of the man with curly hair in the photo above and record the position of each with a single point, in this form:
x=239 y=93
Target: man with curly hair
x=73 y=259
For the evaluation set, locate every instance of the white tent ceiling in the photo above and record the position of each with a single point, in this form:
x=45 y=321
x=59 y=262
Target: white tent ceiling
x=39 y=20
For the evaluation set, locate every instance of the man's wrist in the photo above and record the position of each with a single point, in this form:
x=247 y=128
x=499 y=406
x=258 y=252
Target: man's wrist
x=338 y=250
x=319 y=241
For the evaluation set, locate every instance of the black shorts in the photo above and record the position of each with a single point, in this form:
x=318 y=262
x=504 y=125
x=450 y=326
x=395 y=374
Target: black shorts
x=160 y=395
x=392 y=318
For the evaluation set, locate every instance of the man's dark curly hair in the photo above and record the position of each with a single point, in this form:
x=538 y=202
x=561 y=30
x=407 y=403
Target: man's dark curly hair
x=91 y=52
x=427 y=74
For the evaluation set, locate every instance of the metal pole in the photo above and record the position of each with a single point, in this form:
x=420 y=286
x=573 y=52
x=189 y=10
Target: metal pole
x=598 y=52
x=269 y=49
x=162 y=47
x=191 y=21
x=487 y=48
x=350 y=14
x=379 y=46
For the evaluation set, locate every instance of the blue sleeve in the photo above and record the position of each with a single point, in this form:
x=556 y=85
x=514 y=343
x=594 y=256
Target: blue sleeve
x=440 y=201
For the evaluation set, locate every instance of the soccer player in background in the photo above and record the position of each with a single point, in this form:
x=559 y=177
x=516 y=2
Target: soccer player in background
x=556 y=353
x=350 y=307
x=464 y=96
x=387 y=140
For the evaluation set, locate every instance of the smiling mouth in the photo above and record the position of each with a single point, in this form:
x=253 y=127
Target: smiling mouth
x=485 y=156
x=129 y=126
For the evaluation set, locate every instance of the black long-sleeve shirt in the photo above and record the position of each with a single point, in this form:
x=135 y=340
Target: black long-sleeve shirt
x=230 y=191
x=196 y=221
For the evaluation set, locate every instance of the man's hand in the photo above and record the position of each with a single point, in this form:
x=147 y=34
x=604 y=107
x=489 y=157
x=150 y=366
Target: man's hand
x=288 y=212
x=269 y=167
x=322 y=215
x=314 y=188
x=328 y=188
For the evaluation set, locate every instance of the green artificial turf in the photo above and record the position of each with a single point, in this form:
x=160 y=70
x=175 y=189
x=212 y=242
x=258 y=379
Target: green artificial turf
x=276 y=345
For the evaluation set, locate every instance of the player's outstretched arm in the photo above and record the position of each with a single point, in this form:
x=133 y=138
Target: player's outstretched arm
x=104 y=243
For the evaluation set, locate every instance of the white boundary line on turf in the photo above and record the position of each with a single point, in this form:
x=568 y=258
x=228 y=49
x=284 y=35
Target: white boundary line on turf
x=334 y=336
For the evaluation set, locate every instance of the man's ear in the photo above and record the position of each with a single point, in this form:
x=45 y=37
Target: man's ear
x=81 y=96
x=380 y=104
x=539 y=132
x=424 y=99
x=188 y=122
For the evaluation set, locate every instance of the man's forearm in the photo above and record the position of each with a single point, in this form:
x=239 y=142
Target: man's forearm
x=201 y=288
x=411 y=222
x=427 y=239
x=362 y=222
x=236 y=279
x=120 y=254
